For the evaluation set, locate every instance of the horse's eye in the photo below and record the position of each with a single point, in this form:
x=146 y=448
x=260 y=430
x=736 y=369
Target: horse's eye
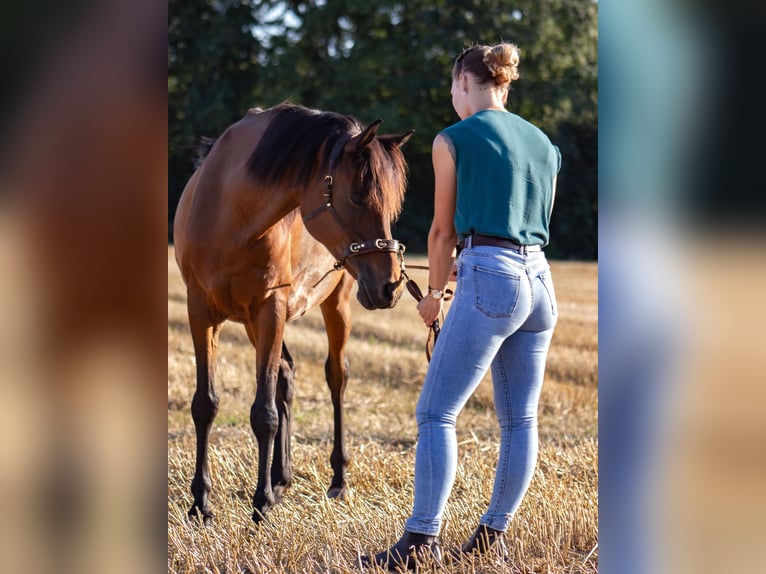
x=356 y=200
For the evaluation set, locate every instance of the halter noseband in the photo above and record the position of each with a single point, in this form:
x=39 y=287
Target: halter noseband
x=359 y=246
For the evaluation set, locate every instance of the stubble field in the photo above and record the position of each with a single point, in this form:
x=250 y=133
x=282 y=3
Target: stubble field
x=555 y=530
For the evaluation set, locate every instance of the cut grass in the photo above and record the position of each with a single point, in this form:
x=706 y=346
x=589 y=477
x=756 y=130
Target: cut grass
x=555 y=530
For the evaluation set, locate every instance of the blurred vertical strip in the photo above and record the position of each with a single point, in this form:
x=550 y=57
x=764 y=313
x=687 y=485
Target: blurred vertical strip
x=82 y=256
x=682 y=480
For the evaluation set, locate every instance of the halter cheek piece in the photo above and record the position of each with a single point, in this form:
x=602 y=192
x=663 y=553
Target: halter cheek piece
x=359 y=246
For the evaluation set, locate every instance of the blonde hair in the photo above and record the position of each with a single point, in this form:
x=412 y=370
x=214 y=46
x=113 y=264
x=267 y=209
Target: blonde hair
x=496 y=64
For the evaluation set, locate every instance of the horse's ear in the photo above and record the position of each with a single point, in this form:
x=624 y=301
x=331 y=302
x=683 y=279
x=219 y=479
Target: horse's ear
x=398 y=140
x=365 y=138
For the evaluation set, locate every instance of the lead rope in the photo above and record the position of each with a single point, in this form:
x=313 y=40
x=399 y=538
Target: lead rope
x=337 y=267
x=417 y=294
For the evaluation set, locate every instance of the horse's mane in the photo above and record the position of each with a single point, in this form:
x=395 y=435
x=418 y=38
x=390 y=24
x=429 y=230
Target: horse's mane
x=293 y=140
x=296 y=133
x=384 y=173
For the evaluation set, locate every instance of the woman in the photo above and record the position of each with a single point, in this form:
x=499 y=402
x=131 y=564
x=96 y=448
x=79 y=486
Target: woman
x=495 y=177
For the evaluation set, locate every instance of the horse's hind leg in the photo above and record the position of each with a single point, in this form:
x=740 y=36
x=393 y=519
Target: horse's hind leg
x=336 y=311
x=281 y=468
x=204 y=407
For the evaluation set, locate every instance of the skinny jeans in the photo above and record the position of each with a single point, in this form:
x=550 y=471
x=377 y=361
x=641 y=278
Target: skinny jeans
x=502 y=318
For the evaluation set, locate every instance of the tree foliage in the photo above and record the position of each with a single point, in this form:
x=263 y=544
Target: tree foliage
x=392 y=60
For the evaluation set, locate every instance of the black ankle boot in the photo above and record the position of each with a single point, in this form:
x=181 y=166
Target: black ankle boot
x=411 y=549
x=483 y=541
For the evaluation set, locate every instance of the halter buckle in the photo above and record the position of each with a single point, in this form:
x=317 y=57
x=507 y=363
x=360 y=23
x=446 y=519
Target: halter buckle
x=328 y=191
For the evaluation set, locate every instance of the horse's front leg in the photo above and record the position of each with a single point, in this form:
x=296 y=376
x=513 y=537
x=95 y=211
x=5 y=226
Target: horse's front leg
x=336 y=311
x=204 y=405
x=266 y=333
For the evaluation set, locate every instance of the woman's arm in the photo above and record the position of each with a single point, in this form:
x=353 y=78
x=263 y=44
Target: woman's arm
x=442 y=237
x=553 y=195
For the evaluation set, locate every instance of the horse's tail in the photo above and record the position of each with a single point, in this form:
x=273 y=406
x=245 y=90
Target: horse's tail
x=203 y=149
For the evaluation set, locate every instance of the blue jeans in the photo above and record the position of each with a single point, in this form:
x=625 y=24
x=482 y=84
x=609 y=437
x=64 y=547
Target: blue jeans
x=502 y=318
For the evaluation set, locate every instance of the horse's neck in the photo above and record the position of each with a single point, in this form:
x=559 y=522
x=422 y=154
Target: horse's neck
x=264 y=211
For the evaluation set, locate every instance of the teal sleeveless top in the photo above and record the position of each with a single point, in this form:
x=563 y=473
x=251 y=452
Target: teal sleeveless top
x=505 y=171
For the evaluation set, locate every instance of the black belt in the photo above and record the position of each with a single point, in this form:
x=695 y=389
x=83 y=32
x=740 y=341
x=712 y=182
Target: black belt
x=476 y=240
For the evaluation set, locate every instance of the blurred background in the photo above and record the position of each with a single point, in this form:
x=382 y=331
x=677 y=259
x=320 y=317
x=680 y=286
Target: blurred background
x=83 y=286
x=682 y=443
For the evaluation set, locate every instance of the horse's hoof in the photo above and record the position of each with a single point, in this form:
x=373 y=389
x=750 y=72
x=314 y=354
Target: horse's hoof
x=261 y=509
x=279 y=492
x=338 y=492
x=195 y=514
x=259 y=516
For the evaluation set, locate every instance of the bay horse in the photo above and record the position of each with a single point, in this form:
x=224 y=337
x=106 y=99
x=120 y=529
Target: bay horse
x=284 y=197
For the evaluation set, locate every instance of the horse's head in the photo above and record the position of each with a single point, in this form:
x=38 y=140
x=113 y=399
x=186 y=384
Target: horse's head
x=361 y=195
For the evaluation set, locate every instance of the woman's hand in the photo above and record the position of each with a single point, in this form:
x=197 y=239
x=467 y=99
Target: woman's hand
x=429 y=309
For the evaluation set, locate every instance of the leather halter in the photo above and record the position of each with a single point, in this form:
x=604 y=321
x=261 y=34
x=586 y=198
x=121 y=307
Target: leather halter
x=359 y=246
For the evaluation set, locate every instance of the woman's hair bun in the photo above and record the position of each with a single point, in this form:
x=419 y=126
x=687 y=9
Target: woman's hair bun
x=502 y=62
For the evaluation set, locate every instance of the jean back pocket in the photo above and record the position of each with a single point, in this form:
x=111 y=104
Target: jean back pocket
x=496 y=292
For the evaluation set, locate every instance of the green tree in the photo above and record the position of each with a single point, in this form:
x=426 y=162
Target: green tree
x=213 y=72
x=392 y=60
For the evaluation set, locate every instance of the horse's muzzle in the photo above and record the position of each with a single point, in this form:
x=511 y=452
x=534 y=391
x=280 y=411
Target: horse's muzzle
x=379 y=296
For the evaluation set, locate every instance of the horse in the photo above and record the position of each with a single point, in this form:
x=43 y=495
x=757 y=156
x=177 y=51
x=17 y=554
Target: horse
x=286 y=209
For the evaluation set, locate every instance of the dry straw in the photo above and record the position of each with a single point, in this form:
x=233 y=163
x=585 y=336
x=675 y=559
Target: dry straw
x=555 y=530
